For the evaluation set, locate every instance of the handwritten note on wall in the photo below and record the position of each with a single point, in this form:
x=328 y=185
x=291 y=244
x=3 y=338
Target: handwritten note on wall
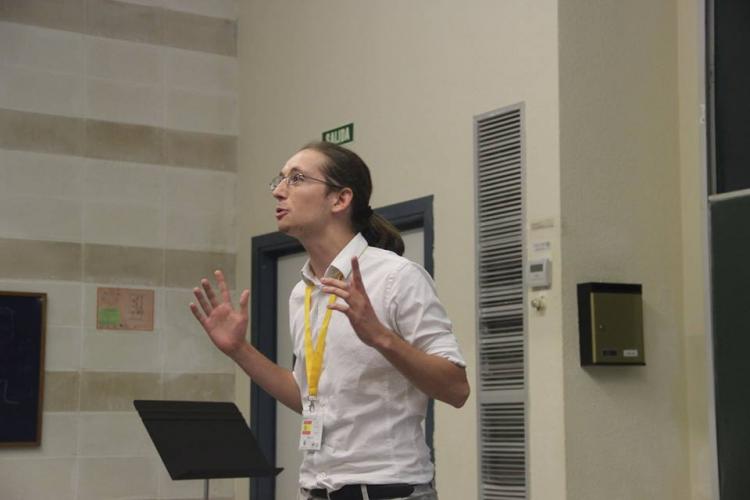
x=124 y=309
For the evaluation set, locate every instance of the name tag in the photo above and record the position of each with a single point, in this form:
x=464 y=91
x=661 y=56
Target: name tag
x=311 y=432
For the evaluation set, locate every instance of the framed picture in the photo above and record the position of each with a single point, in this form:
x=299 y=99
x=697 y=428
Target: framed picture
x=22 y=330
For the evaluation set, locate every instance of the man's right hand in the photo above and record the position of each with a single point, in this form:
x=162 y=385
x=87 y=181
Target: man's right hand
x=225 y=326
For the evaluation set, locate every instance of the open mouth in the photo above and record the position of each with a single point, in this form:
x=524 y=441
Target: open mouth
x=280 y=213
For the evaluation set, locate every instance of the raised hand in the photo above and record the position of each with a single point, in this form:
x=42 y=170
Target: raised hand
x=225 y=325
x=356 y=306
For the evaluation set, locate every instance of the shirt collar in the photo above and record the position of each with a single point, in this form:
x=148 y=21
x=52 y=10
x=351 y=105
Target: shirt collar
x=342 y=264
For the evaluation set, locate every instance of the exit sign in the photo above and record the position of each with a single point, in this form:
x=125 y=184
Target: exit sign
x=340 y=135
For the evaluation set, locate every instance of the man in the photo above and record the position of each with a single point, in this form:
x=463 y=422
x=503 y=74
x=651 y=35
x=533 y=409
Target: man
x=372 y=340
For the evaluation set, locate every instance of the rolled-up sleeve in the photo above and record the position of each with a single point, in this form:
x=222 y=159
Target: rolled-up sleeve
x=417 y=314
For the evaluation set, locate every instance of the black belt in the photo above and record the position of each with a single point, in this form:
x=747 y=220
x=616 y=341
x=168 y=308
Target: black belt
x=374 y=491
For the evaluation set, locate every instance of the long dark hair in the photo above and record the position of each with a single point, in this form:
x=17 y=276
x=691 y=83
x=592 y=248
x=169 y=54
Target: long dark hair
x=345 y=168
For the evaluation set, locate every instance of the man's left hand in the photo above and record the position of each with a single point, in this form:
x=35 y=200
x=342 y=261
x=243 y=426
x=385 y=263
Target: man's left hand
x=356 y=306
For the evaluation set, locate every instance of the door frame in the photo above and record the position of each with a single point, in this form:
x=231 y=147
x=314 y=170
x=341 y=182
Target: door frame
x=266 y=251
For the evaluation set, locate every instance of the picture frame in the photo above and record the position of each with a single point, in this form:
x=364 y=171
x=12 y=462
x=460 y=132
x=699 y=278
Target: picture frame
x=23 y=320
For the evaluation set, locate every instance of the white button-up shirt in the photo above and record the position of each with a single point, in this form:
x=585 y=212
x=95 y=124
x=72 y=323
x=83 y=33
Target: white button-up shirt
x=372 y=414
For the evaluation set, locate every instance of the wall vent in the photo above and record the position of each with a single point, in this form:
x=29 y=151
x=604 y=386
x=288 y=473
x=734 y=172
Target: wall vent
x=501 y=322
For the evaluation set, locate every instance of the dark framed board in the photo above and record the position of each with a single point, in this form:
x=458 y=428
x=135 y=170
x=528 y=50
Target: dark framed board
x=729 y=79
x=730 y=272
x=23 y=318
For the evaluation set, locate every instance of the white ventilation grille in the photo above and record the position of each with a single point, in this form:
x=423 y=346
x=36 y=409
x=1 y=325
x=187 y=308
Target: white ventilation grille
x=500 y=302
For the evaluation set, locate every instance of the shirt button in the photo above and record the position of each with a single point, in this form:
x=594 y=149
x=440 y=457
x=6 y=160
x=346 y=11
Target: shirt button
x=321 y=476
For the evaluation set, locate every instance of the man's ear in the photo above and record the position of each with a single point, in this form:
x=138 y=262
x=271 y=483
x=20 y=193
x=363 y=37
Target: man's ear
x=343 y=199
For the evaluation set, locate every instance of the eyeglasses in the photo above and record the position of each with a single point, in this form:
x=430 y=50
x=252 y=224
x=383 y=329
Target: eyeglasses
x=296 y=179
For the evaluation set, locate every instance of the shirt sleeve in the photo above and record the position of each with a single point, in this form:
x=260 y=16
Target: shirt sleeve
x=417 y=314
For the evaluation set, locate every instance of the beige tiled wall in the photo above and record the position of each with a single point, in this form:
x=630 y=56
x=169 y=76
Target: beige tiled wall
x=118 y=124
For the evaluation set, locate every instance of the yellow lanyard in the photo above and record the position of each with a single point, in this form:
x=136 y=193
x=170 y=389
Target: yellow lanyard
x=314 y=358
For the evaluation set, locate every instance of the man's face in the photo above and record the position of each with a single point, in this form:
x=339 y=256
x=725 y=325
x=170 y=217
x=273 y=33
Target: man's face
x=304 y=208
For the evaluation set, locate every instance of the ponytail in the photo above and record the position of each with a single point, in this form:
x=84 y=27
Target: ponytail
x=382 y=234
x=346 y=169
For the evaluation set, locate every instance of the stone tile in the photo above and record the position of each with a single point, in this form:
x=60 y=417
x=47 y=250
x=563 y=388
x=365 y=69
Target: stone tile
x=123 y=61
x=111 y=391
x=149 y=3
x=61 y=391
x=63 y=299
x=65 y=15
x=138 y=21
x=122 y=351
x=59 y=433
x=4 y=171
x=194 y=149
x=204 y=190
x=42 y=260
x=33 y=478
x=177 y=315
x=40 y=218
x=123 y=223
x=201 y=33
x=63 y=348
x=198 y=112
x=28 y=89
x=112 y=434
x=192 y=351
x=227 y=9
x=123 y=265
x=201 y=231
x=63 y=303
x=39 y=174
x=41 y=48
x=198 y=387
x=185 y=268
x=105 y=180
x=133 y=477
x=184 y=69
x=193 y=497
x=125 y=21
x=40 y=132
x=125 y=102
x=89 y=305
x=119 y=141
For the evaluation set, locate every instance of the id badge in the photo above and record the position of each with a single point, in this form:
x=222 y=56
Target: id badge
x=311 y=432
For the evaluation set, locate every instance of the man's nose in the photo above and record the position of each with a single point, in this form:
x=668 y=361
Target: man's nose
x=279 y=192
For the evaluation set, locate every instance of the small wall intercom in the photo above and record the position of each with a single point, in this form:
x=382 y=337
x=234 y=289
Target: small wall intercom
x=610 y=320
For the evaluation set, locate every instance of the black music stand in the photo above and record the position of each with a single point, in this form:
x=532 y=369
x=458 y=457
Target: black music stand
x=203 y=440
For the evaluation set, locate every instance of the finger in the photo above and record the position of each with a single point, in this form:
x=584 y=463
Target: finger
x=244 y=299
x=356 y=273
x=223 y=286
x=336 y=291
x=198 y=315
x=202 y=301
x=334 y=282
x=209 y=292
x=340 y=306
x=357 y=278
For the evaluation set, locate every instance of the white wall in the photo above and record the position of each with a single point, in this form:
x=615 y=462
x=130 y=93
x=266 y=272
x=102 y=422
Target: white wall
x=611 y=92
x=411 y=76
x=626 y=427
